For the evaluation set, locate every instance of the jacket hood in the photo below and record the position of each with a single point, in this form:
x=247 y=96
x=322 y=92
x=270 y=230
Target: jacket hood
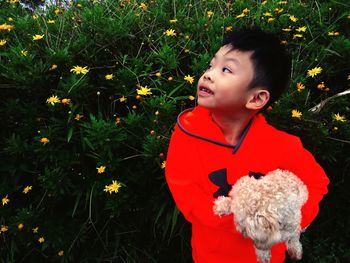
x=198 y=123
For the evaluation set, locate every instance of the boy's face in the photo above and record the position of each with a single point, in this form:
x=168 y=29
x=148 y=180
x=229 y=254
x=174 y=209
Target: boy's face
x=224 y=86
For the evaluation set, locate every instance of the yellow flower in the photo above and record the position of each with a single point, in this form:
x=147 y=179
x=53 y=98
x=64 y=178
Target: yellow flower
x=41 y=240
x=53 y=67
x=52 y=100
x=35 y=17
x=57 y=11
x=6 y=27
x=322 y=86
x=51 y=21
x=2 y=42
x=122 y=99
x=284 y=42
x=37 y=37
x=44 y=140
x=66 y=101
x=35 y=230
x=79 y=6
x=191 y=97
x=228 y=28
x=79 y=70
x=3 y=228
x=301 y=29
x=245 y=11
x=113 y=187
x=109 y=77
x=172 y=21
x=332 y=33
x=10 y=19
x=282 y=2
x=101 y=169
x=278 y=10
x=297 y=36
x=163 y=165
x=170 y=78
x=270 y=19
x=267 y=14
x=24 y=53
x=189 y=79
x=241 y=15
x=144 y=91
x=5 y=200
x=296 y=114
x=158 y=74
x=20 y=226
x=78 y=117
x=143 y=6
x=27 y=189
x=340 y=118
x=14 y=1
x=210 y=13
x=313 y=72
x=293 y=18
x=170 y=33
x=300 y=86
x=286 y=29
x=60 y=253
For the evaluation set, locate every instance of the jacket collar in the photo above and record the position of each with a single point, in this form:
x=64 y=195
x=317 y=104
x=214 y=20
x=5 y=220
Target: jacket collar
x=197 y=123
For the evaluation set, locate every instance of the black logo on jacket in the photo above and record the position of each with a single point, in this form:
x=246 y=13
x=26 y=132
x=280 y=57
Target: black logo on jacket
x=219 y=178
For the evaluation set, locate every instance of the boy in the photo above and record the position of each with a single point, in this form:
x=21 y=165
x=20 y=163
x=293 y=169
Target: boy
x=225 y=137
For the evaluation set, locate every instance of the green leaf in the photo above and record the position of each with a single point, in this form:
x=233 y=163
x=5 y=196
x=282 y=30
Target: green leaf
x=70 y=133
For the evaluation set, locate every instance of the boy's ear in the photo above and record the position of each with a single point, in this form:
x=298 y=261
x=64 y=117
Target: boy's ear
x=258 y=99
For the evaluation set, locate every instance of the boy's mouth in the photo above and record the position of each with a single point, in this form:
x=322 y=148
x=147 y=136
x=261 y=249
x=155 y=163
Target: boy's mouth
x=204 y=91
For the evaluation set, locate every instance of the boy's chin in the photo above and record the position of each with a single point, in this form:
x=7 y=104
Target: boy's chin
x=204 y=104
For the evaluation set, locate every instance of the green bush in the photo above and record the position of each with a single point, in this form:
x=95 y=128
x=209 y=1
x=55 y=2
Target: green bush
x=90 y=98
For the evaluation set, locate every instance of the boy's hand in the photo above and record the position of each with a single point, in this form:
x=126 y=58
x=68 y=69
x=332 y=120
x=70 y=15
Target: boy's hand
x=222 y=206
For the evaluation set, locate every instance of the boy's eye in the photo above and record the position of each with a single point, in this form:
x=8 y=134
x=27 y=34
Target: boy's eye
x=209 y=66
x=226 y=70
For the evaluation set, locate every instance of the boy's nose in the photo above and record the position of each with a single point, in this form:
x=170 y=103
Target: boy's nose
x=207 y=75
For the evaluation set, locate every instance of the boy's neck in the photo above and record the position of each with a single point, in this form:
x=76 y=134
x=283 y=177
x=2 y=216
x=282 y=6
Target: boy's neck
x=232 y=126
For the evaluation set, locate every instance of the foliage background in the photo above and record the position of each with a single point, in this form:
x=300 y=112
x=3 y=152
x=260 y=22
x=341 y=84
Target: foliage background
x=66 y=205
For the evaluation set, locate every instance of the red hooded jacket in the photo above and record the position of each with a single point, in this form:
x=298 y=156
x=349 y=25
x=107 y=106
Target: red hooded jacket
x=198 y=152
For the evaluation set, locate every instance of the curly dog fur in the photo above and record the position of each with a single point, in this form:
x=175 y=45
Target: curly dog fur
x=267 y=210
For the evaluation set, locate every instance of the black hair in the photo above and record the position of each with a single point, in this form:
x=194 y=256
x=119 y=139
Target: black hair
x=271 y=62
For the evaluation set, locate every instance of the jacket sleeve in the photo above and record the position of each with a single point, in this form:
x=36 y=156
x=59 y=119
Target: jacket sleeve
x=181 y=173
x=301 y=162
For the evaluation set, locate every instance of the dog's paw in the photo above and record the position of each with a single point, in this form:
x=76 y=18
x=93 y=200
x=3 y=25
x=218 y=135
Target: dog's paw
x=295 y=250
x=263 y=256
x=222 y=206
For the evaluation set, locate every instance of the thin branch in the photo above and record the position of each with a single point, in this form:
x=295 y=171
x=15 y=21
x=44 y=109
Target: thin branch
x=133 y=156
x=318 y=107
x=338 y=140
